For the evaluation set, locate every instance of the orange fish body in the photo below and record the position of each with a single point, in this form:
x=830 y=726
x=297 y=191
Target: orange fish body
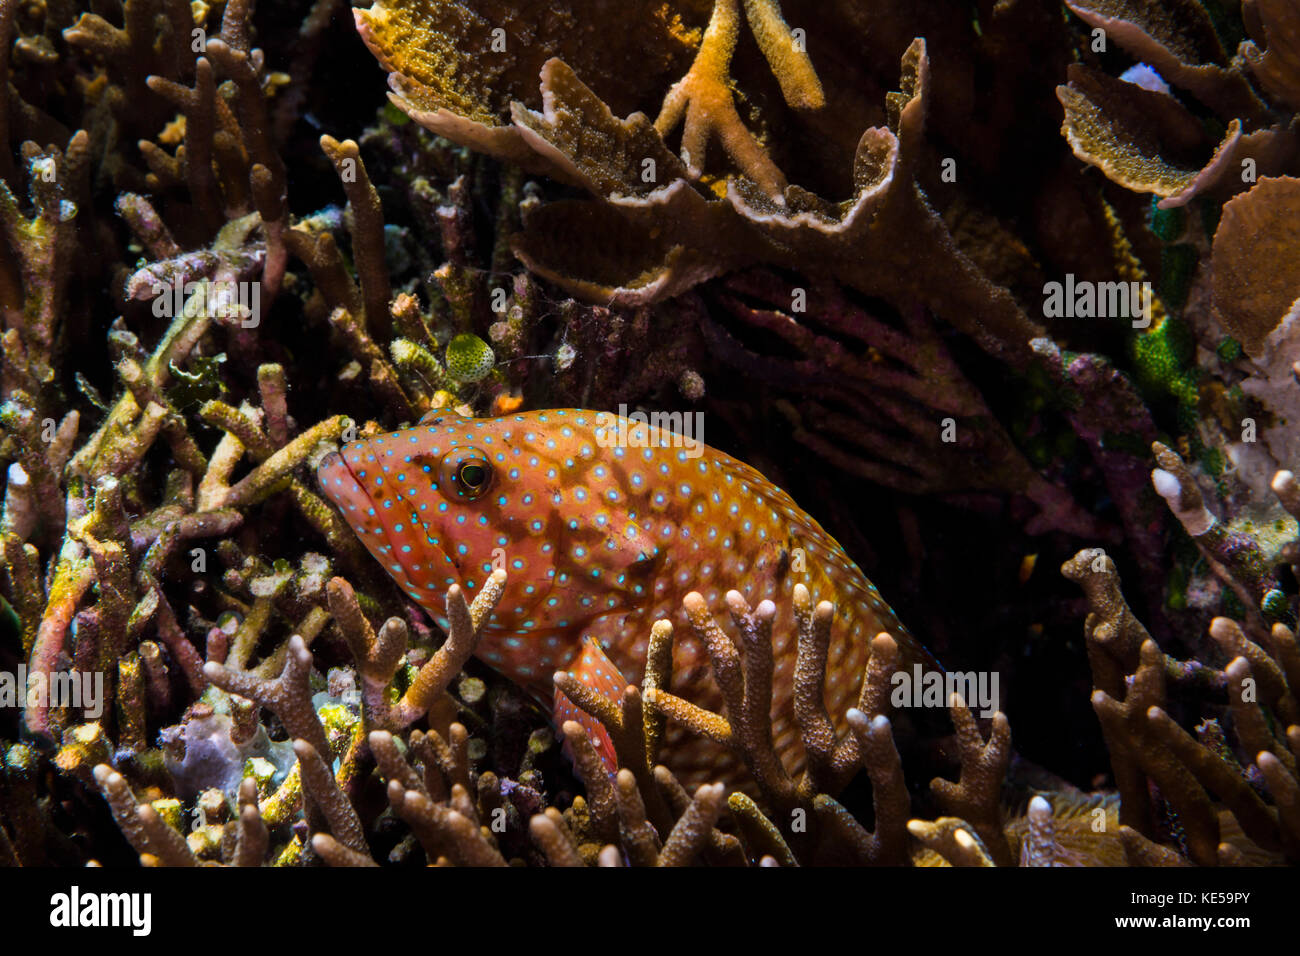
x=603 y=525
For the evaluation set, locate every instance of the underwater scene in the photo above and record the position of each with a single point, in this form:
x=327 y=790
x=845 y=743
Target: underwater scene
x=638 y=433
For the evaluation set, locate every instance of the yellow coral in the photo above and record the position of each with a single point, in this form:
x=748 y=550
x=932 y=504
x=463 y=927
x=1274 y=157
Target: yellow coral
x=702 y=100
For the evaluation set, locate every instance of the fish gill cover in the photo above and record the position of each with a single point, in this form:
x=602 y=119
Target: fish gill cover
x=670 y=432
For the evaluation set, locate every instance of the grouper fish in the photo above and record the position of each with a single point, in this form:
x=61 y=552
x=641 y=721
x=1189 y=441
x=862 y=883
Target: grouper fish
x=603 y=526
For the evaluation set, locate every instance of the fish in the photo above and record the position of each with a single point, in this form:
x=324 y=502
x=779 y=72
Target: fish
x=603 y=525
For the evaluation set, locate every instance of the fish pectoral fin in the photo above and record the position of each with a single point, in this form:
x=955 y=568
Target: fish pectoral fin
x=598 y=672
x=632 y=551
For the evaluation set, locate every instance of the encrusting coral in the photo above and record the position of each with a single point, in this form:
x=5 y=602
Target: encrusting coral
x=832 y=235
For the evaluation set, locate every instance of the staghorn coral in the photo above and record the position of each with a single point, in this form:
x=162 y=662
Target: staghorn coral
x=702 y=101
x=1146 y=743
x=1132 y=676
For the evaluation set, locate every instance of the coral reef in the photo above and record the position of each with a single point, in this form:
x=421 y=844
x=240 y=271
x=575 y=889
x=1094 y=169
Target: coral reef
x=983 y=310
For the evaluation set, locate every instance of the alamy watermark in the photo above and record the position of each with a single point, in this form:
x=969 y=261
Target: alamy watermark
x=222 y=299
x=77 y=689
x=683 y=430
x=1082 y=299
x=78 y=908
x=932 y=688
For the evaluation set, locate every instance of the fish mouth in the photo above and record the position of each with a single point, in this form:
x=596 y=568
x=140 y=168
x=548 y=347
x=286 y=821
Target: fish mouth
x=339 y=485
x=389 y=533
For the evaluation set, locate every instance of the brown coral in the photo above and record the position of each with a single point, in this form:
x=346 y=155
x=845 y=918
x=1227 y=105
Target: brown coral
x=1132 y=676
x=1259 y=226
x=655 y=234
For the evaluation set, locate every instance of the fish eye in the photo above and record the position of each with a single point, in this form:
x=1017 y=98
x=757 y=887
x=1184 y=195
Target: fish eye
x=466 y=473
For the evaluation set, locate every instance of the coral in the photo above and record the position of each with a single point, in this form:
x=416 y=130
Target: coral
x=828 y=228
x=157 y=842
x=1138 y=138
x=378 y=655
x=745 y=680
x=873 y=410
x=1178 y=39
x=655 y=236
x=703 y=103
x=456 y=68
x=1277 y=63
x=1214 y=292
x=1257 y=226
x=1132 y=679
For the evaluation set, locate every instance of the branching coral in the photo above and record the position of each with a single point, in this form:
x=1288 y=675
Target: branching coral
x=98 y=526
x=744 y=674
x=638 y=816
x=265 y=686
x=703 y=103
x=1132 y=677
x=646 y=818
x=34 y=283
x=378 y=655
